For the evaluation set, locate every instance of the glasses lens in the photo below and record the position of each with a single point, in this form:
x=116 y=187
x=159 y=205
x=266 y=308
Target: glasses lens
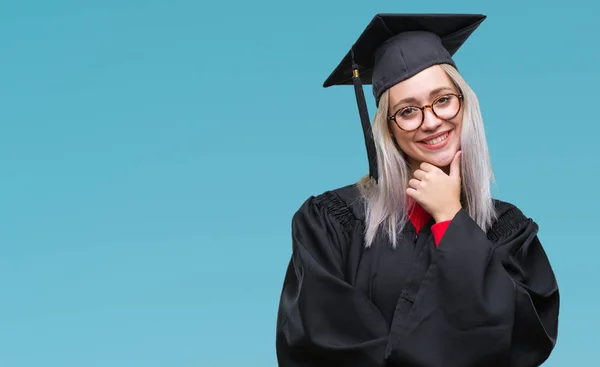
x=409 y=118
x=446 y=107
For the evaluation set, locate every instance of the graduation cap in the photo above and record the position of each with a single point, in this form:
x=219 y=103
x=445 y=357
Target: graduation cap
x=395 y=47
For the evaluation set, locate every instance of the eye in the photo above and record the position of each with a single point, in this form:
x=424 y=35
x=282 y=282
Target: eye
x=443 y=100
x=407 y=112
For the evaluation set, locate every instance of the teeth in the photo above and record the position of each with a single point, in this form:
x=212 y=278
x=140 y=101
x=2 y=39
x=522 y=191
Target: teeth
x=437 y=140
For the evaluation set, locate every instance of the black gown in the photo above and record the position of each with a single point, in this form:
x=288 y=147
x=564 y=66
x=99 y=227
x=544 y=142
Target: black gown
x=478 y=299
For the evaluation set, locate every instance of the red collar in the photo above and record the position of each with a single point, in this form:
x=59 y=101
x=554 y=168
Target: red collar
x=418 y=216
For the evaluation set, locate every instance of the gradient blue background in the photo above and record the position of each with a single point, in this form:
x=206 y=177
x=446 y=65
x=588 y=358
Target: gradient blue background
x=152 y=154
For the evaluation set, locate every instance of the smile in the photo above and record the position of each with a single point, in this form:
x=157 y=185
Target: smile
x=437 y=142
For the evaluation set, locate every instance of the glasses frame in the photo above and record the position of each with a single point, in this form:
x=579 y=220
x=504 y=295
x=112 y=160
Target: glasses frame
x=430 y=106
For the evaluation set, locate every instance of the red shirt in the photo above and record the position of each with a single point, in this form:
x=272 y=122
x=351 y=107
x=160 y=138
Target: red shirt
x=419 y=217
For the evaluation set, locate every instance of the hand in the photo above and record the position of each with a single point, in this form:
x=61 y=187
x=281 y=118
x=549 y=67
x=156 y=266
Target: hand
x=437 y=192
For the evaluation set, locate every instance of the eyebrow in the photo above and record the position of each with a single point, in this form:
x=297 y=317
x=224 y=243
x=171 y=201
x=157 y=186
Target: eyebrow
x=415 y=101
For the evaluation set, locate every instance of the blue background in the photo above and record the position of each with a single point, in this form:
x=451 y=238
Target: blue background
x=152 y=154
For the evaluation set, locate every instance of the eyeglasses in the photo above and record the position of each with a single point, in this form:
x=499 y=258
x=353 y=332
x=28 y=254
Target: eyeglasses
x=444 y=107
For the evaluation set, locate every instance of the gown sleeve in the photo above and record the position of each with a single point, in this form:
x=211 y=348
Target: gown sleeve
x=487 y=299
x=322 y=319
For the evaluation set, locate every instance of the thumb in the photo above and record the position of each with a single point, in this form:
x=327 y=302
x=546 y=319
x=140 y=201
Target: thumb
x=455 y=165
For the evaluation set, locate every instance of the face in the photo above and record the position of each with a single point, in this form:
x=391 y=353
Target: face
x=438 y=139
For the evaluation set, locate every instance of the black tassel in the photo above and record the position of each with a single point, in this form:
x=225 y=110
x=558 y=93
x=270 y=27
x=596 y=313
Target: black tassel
x=365 y=121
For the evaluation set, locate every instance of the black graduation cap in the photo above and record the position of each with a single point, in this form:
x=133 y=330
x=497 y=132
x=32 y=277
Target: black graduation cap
x=395 y=47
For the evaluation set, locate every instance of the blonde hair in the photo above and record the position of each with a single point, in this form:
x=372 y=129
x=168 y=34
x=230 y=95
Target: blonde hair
x=386 y=201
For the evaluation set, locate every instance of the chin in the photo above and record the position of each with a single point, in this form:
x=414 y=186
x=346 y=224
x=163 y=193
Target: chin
x=442 y=158
x=442 y=162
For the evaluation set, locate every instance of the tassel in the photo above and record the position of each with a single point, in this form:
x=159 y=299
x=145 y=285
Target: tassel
x=365 y=121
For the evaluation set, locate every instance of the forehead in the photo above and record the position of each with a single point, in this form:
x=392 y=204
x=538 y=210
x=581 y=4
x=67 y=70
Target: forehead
x=419 y=86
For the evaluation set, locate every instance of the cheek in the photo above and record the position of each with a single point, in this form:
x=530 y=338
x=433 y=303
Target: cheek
x=458 y=134
x=459 y=121
x=403 y=140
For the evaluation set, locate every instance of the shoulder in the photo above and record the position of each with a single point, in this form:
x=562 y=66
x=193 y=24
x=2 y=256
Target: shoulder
x=326 y=223
x=510 y=221
x=342 y=206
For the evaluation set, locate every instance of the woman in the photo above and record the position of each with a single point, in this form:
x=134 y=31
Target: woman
x=416 y=264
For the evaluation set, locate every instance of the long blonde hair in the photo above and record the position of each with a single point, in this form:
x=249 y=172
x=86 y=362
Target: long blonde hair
x=386 y=201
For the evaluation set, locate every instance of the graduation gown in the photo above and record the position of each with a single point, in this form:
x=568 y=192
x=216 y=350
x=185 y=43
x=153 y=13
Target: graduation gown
x=476 y=299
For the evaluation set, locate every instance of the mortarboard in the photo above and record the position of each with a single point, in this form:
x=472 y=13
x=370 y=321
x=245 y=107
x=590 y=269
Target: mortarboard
x=395 y=47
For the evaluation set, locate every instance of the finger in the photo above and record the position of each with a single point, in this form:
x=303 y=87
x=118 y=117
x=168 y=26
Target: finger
x=411 y=192
x=419 y=174
x=455 y=165
x=414 y=183
x=427 y=167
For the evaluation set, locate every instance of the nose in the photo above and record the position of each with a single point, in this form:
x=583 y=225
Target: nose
x=430 y=120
